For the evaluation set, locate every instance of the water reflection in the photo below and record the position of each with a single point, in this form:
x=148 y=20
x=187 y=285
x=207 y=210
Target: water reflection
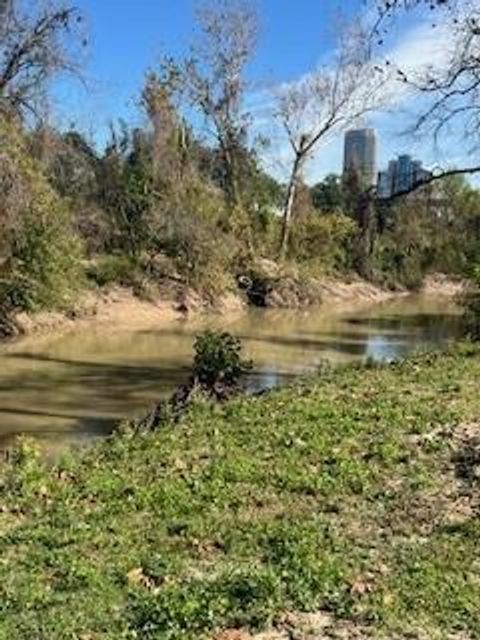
x=77 y=386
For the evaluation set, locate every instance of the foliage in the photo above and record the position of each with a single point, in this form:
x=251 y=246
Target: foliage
x=190 y=227
x=157 y=201
x=72 y=166
x=305 y=499
x=42 y=264
x=204 y=207
x=472 y=316
x=435 y=229
x=68 y=161
x=472 y=306
x=25 y=469
x=126 y=190
x=213 y=79
x=328 y=196
x=323 y=240
x=218 y=360
x=114 y=269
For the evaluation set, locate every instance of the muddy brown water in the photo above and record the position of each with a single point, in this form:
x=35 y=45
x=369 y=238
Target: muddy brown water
x=75 y=387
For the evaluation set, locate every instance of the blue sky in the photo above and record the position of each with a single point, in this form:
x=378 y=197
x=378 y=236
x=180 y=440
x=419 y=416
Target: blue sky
x=128 y=36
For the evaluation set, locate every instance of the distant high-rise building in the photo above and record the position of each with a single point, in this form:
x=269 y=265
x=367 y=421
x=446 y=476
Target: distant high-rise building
x=419 y=173
x=401 y=176
x=360 y=155
x=404 y=174
x=385 y=184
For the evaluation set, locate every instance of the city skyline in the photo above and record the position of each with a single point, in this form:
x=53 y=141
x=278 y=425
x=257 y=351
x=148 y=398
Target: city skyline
x=360 y=155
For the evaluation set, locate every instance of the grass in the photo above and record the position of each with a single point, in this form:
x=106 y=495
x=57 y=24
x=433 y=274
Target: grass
x=339 y=494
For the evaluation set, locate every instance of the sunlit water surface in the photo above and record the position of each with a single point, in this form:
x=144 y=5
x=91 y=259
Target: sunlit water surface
x=75 y=387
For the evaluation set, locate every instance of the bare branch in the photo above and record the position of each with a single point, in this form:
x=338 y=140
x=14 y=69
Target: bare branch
x=434 y=177
x=36 y=45
x=450 y=88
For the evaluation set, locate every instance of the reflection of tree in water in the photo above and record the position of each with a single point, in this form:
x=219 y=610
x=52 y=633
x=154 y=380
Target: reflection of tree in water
x=431 y=324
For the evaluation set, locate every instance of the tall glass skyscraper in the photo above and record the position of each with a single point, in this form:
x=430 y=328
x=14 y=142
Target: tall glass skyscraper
x=360 y=155
x=401 y=176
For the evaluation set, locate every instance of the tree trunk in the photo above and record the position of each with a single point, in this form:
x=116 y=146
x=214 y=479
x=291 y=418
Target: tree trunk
x=231 y=177
x=367 y=217
x=238 y=214
x=289 y=202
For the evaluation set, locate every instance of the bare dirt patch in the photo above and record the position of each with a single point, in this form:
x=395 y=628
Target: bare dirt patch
x=441 y=284
x=320 y=625
x=457 y=496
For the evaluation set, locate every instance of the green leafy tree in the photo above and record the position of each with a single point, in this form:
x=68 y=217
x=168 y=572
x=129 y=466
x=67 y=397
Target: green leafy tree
x=41 y=253
x=328 y=195
x=126 y=189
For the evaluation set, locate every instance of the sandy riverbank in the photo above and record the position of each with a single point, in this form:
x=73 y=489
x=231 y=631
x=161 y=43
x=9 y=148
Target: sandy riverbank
x=121 y=307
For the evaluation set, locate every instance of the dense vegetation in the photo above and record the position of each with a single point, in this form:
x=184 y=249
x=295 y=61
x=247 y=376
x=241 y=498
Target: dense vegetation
x=354 y=493
x=166 y=207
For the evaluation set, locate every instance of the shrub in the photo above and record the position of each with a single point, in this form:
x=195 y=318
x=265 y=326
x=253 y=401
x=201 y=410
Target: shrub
x=119 y=269
x=472 y=318
x=188 y=227
x=23 y=475
x=218 y=368
x=394 y=267
x=218 y=363
x=270 y=285
x=42 y=254
x=323 y=240
x=45 y=269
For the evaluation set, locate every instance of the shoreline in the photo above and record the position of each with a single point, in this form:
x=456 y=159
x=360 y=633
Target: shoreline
x=120 y=307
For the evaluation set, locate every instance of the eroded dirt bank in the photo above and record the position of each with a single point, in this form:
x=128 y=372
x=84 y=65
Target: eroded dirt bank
x=121 y=307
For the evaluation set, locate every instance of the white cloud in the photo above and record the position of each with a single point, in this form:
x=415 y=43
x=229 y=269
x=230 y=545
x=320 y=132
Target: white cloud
x=421 y=47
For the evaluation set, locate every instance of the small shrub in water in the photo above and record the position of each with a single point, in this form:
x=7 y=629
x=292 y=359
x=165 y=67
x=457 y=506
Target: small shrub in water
x=218 y=362
x=218 y=368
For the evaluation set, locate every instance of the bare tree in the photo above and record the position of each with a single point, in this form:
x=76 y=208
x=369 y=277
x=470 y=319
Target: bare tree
x=36 y=44
x=387 y=9
x=213 y=79
x=449 y=86
x=323 y=103
x=452 y=89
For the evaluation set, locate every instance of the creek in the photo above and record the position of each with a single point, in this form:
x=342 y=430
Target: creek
x=75 y=387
